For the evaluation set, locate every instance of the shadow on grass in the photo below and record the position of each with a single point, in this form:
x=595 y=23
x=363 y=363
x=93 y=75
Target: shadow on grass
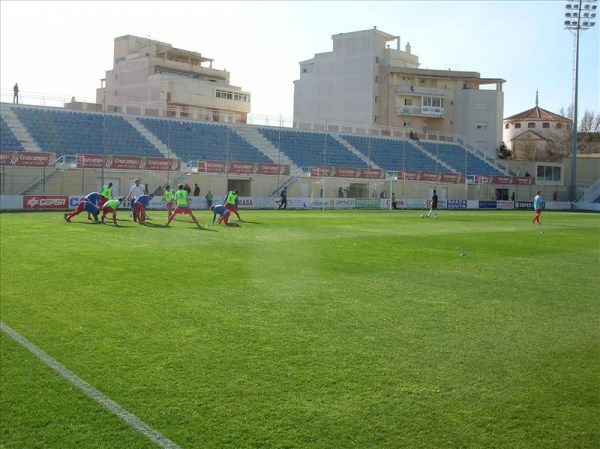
x=153 y=225
x=203 y=228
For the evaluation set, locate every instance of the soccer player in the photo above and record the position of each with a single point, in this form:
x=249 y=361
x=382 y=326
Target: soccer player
x=136 y=190
x=84 y=205
x=106 y=194
x=169 y=198
x=139 y=207
x=283 y=202
x=110 y=207
x=183 y=206
x=537 y=207
x=434 y=205
x=231 y=202
x=93 y=198
x=224 y=213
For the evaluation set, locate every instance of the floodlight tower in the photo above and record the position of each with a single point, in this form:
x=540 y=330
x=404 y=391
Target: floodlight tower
x=580 y=16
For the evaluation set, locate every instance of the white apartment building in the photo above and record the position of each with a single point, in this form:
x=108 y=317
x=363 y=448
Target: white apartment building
x=154 y=78
x=365 y=81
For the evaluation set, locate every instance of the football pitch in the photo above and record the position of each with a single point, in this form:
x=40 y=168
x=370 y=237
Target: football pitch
x=301 y=329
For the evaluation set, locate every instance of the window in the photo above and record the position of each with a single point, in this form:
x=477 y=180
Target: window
x=517 y=125
x=481 y=125
x=506 y=126
x=375 y=121
x=559 y=126
x=434 y=102
x=407 y=123
x=228 y=95
x=241 y=97
x=530 y=125
x=545 y=125
x=376 y=99
x=376 y=79
x=548 y=173
x=408 y=102
x=376 y=59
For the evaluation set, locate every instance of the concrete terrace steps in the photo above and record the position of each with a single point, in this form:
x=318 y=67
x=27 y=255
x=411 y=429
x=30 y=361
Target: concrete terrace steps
x=18 y=129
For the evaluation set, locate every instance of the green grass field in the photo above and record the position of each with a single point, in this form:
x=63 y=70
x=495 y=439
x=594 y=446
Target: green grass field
x=304 y=329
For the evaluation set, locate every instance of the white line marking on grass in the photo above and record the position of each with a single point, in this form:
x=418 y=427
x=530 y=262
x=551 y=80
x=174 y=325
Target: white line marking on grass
x=96 y=395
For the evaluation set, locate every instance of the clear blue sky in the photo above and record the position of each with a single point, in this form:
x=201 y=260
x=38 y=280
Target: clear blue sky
x=62 y=49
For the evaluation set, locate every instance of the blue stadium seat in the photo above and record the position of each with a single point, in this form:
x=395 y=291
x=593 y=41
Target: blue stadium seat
x=394 y=154
x=203 y=141
x=460 y=158
x=307 y=148
x=8 y=141
x=68 y=132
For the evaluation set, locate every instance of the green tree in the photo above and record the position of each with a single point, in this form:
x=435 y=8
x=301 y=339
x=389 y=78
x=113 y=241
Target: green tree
x=503 y=152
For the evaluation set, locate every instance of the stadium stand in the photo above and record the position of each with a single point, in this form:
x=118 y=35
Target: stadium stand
x=308 y=148
x=8 y=141
x=69 y=132
x=456 y=157
x=394 y=154
x=204 y=141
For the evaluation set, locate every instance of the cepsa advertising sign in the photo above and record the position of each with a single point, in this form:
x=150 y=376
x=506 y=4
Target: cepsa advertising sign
x=45 y=202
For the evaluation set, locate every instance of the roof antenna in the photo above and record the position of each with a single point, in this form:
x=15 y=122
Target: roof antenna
x=536 y=98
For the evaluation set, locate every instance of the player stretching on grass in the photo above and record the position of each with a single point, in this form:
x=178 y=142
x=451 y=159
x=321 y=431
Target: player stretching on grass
x=95 y=198
x=169 y=199
x=183 y=206
x=110 y=207
x=231 y=202
x=537 y=207
x=106 y=194
x=84 y=205
x=139 y=207
x=224 y=213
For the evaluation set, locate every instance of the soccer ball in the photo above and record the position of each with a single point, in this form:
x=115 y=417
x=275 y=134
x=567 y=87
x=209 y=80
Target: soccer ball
x=422 y=216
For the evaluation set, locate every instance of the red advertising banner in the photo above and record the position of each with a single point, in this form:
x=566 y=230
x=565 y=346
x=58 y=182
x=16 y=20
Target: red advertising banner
x=523 y=180
x=501 y=179
x=346 y=172
x=26 y=159
x=45 y=202
x=273 y=169
x=242 y=168
x=482 y=179
x=504 y=180
x=371 y=173
x=407 y=175
x=128 y=162
x=427 y=176
x=320 y=171
x=450 y=178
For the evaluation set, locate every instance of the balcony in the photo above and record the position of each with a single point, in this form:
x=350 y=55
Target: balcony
x=423 y=91
x=422 y=111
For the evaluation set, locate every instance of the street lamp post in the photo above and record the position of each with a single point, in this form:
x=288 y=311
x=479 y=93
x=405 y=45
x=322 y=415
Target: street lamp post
x=580 y=16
